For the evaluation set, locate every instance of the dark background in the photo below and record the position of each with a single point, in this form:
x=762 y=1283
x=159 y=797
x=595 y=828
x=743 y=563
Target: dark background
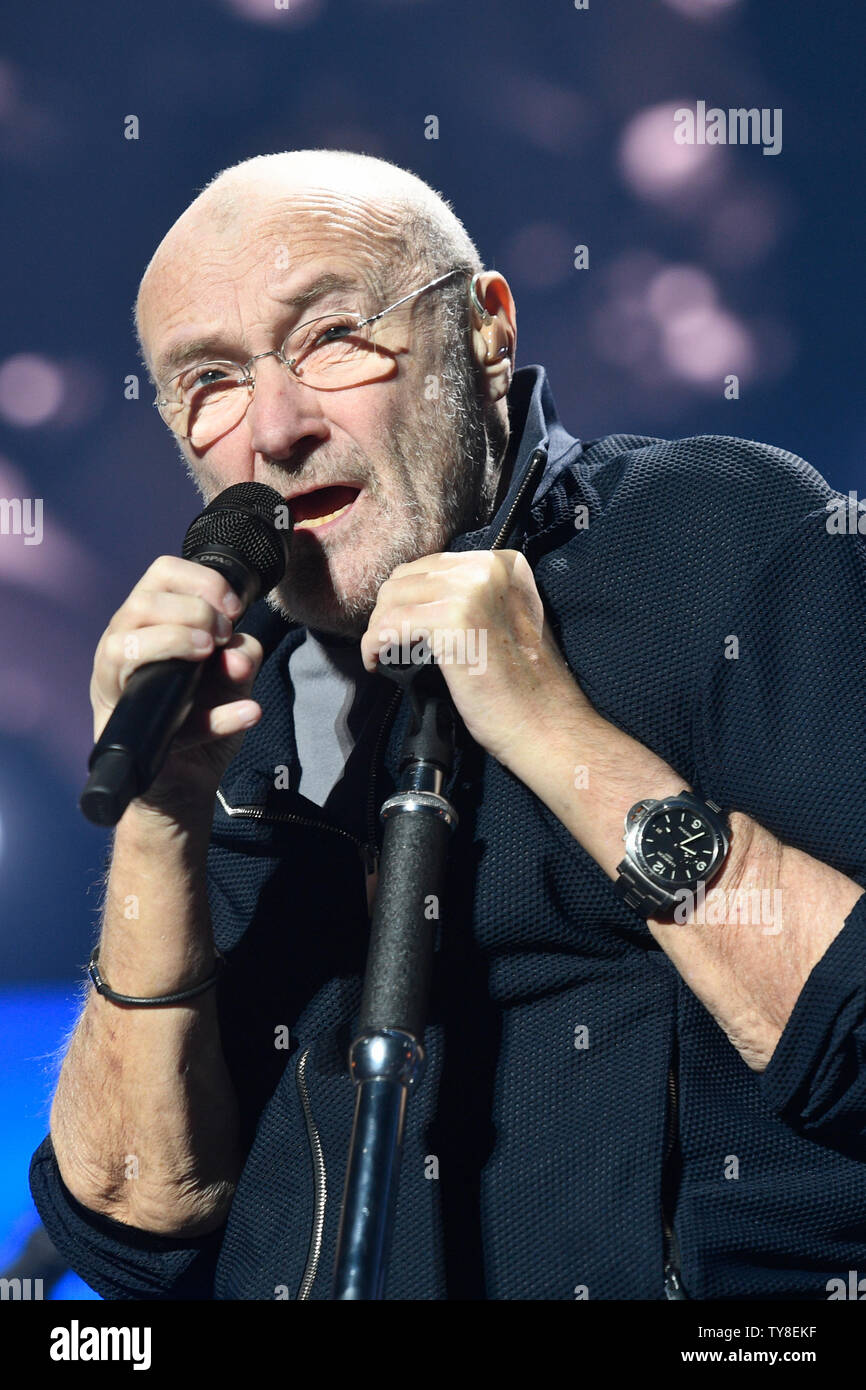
x=555 y=129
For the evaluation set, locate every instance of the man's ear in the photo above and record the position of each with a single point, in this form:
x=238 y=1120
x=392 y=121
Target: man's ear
x=494 y=333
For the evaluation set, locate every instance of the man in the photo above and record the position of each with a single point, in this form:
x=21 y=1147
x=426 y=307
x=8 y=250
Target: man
x=627 y=1096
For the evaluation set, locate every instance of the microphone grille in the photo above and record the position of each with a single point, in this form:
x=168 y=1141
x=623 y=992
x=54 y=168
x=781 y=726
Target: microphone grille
x=244 y=517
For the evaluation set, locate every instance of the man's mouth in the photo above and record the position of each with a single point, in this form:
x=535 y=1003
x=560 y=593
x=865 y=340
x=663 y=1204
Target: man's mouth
x=310 y=510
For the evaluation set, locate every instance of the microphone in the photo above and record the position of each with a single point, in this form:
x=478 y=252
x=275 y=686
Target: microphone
x=237 y=535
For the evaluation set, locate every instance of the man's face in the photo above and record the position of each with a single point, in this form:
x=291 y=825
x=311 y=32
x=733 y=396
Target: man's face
x=398 y=470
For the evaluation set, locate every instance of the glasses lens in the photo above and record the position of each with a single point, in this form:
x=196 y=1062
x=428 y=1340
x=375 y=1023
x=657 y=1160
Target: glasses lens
x=205 y=401
x=334 y=351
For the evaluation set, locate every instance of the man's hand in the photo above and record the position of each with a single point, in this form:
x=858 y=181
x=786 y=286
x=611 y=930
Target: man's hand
x=483 y=619
x=524 y=707
x=180 y=609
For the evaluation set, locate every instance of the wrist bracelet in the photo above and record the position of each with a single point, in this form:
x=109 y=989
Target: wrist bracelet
x=102 y=988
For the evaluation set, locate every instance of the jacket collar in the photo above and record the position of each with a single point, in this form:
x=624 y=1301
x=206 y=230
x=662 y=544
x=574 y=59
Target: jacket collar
x=534 y=428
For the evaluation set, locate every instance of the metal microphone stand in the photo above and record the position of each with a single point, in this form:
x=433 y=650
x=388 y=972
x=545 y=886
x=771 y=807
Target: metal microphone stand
x=387 y=1056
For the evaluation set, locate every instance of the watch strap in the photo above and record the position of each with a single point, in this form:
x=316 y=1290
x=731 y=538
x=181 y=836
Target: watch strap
x=643 y=897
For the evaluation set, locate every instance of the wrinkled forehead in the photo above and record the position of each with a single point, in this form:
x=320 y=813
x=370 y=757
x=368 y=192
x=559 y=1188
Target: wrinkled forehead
x=225 y=261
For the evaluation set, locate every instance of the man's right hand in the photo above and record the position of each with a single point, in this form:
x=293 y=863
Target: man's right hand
x=181 y=609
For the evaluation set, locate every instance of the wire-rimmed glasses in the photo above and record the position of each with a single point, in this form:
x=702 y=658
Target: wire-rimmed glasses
x=336 y=350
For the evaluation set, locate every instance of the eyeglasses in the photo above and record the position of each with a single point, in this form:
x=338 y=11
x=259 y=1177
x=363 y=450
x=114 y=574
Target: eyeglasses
x=208 y=399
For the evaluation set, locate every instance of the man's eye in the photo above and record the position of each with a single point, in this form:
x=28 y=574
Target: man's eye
x=200 y=383
x=333 y=332
x=208 y=376
x=323 y=334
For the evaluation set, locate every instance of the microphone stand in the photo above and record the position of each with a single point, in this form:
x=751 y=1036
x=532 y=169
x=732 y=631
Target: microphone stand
x=386 y=1058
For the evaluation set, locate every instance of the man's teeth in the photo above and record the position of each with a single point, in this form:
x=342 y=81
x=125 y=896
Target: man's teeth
x=312 y=522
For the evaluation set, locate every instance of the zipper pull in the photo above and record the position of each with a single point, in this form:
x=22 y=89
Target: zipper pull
x=673 y=1284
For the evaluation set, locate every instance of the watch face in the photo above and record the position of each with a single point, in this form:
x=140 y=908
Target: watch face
x=678 y=845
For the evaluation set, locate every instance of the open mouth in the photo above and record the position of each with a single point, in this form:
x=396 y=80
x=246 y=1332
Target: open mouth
x=323 y=505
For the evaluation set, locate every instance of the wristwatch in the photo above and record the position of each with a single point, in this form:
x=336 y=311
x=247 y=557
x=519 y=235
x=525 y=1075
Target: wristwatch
x=670 y=845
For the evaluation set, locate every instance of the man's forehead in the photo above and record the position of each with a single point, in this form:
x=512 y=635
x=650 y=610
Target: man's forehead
x=272 y=229
x=270 y=241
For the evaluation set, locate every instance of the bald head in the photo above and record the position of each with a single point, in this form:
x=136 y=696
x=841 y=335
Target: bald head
x=405 y=229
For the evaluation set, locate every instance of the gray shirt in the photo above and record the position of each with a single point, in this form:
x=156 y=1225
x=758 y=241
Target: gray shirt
x=338 y=711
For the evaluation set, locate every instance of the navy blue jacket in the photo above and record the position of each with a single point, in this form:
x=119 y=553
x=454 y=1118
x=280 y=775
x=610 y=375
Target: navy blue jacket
x=535 y=1168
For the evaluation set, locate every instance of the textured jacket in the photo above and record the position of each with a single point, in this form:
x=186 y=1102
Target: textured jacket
x=583 y=1122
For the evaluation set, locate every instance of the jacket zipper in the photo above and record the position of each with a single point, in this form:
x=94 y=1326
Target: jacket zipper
x=673 y=1284
x=366 y=848
x=537 y=460
x=259 y=813
x=320 y=1184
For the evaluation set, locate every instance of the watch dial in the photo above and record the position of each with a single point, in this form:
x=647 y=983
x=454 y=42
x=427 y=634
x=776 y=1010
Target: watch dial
x=678 y=844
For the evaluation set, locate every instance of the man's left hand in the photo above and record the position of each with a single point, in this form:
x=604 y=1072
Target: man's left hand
x=483 y=619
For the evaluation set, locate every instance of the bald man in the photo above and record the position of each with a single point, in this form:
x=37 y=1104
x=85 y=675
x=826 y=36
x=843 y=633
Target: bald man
x=630 y=1093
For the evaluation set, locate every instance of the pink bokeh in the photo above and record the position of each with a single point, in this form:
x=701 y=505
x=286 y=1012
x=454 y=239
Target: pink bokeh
x=656 y=168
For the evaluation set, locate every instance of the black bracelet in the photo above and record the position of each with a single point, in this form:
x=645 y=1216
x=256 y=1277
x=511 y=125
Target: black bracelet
x=102 y=988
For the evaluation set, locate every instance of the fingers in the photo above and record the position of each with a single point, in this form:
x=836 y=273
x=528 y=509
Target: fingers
x=222 y=722
x=123 y=653
x=219 y=712
x=170 y=574
x=232 y=675
x=449 y=561
x=469 y=572
x=402 y=627
x=147 y=607
x=178 y=609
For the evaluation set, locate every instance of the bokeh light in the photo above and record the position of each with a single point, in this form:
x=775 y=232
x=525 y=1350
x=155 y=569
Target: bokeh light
x=743 y=226
x=702 y=9
x=31 y=390
x=655 y=167
x=291 y=13
x=661 y=322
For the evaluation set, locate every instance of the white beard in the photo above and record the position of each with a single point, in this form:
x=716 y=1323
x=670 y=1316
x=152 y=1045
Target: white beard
x=445 y=474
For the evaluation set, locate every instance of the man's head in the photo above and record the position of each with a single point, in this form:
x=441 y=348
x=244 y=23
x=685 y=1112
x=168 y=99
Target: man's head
x=417 y=446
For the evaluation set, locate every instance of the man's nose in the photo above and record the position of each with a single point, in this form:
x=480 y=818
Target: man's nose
x=282 y=410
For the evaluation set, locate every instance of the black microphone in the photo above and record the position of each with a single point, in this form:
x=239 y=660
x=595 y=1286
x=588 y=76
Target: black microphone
x=244 y=535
